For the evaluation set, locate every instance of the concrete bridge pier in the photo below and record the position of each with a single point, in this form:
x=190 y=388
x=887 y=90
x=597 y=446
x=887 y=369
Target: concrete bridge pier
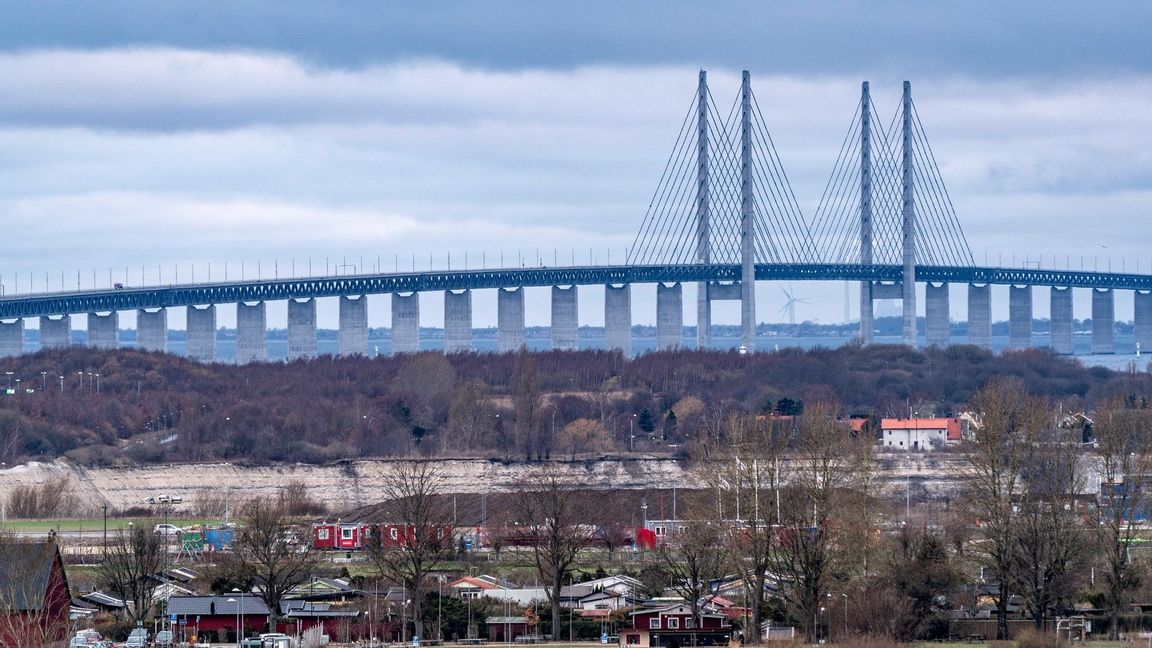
x=1019 y=317
x=251 y=333
x=152 y=329
x=12 y=338
x=618 y=318
x=1103 y=321
x=103 y=330
x=669 y=316
x=1062 y=320
x=405 y=323
x=55 y=333
x=457 y=321
x=353 y=336
x=202 y=333
x=301 y=329
x=1142 y=320
x=565 y=318
x=980 y=315
x=509 y=319
x=936 y=319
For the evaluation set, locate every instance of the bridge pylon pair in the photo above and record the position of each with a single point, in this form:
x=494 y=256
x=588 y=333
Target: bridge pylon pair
x=724 y=199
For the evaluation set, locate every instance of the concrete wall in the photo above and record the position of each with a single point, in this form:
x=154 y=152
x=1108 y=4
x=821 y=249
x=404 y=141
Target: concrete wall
x=353 y=337
x=251 y=333
x=12 y=338
x=565 y=318
x=618 y=318
x=510 y=319
x=1019 y=317
x=103 y=330
x=152 y=329
x=980 y=315
x=457 y=321
x=669 y=316
x=936 y=315
x=202 y=333
x=1142 y=320
x=1103 y=321
x=55 y=333
x=405 y=323
x=301 y=329
x=1062 y=320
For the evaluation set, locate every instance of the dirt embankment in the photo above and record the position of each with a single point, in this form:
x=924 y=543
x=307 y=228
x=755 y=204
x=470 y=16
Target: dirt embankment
x=357 y=483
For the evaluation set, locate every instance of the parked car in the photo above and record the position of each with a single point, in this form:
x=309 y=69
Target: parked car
x=168 y=530
x=163 y=638
x=84 y=639
x=137 y=639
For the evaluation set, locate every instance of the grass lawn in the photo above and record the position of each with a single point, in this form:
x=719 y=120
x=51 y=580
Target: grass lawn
x=73 y=525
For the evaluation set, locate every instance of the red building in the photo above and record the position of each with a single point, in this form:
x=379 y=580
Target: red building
x=34 y=596
x=340 y=535
x=672 y=625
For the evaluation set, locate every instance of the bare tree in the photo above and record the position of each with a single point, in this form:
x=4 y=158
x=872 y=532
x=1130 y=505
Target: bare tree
x=134 y=556
x=692 y=557
x=824 y=470
x=526 y=400
x=272 y=549
x=994 y=454
x=1049 y=536
x=413 y=506
x=747 y=471
x=1123 y=433
x=558 y=523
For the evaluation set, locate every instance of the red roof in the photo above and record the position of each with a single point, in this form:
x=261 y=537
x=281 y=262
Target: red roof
x=952 y=425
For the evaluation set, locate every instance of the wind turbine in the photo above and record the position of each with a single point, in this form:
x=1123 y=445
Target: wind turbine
x=790 y=304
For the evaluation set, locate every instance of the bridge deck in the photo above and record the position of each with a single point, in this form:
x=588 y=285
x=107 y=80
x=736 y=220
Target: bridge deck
x=99 y=301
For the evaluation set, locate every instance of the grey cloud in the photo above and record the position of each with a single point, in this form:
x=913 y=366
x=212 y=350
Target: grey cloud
x=983 y=37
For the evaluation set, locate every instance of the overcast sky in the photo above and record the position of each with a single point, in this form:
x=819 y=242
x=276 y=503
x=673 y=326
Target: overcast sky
x=143 y=134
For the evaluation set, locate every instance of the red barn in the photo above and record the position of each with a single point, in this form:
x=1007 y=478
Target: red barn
x=34 y=596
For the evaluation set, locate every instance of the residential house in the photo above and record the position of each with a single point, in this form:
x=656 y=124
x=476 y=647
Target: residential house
x=670 y=623
x=34 y=597
x=920 y=434
x=219 y=615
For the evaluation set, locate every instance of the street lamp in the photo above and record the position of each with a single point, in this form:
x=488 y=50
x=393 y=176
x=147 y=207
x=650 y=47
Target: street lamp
x=845 y=595
x=240 y=626
x=631 y=424
x=232 y=600
x=43 y=381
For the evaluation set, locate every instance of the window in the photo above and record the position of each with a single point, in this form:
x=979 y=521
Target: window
x=689 y=623
x=322 y=533
x=346 y=533
x=632 y=639
x=654 y=623
x=392 y=533
x=661 y=531
x=673 y=623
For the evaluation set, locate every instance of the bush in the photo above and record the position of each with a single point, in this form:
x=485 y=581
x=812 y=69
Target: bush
x=51 y=499
x=1032 y=638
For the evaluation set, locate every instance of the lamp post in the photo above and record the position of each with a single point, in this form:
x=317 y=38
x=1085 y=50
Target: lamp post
x=631 y=435
x=845 y=595
x=232 y=600
x=240 y=625
x=43 y=381
x=104 y=508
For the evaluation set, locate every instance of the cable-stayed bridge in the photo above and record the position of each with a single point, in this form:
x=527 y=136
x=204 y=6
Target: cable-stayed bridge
x=723 y=217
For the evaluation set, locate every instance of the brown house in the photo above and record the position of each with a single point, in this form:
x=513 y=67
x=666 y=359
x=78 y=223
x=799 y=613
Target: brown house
x=34 y=596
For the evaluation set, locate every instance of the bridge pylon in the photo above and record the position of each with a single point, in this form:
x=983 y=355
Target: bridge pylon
x=886 y=204
x=723 y=199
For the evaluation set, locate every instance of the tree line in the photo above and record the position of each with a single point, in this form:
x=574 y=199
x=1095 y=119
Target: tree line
x=124 y=406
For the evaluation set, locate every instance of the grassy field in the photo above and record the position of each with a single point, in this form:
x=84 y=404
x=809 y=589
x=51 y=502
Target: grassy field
x=77 y=525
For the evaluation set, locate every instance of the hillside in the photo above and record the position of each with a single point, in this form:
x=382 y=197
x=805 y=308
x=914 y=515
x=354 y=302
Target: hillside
x=124 y=407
